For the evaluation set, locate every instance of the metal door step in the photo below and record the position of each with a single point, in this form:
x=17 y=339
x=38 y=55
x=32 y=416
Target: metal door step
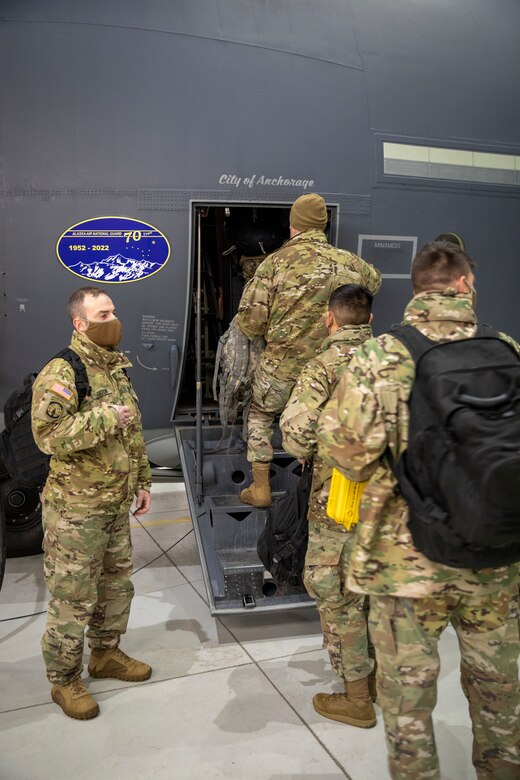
x=239 y=560
x=232 y=503
x=227 y=530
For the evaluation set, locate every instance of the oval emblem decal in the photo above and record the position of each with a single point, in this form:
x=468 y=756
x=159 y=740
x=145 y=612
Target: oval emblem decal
x=114 y=250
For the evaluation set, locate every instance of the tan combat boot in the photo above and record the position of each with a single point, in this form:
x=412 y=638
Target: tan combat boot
x=75 y=700
x=259 y=491
x=353 y=707
x=114 y=663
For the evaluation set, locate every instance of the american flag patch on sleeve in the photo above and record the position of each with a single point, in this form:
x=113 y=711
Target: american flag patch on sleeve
x=61 y=390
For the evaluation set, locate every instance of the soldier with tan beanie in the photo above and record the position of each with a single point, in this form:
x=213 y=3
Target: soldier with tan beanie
x=285 y=302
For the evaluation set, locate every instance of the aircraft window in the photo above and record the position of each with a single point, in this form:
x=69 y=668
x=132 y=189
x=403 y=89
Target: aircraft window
x=441 y=163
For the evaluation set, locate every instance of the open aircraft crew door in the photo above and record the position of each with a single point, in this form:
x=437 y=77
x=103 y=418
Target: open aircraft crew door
x=228 y=242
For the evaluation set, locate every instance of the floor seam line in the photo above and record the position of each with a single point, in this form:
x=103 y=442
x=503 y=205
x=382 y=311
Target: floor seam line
x=279 y=657
x=300 y=718
x=141 y=684
x=257 y=665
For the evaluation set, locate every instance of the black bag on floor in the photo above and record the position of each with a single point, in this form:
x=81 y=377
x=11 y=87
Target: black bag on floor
x=283 y=542
x=24 y=462
x=460 y=473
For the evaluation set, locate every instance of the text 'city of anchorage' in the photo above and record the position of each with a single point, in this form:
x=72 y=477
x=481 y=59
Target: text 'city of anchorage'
x=250 y=181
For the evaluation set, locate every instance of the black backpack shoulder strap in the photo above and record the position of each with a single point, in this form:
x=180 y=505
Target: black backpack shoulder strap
x=412 y=338
x=487 y=331
x=80 y=372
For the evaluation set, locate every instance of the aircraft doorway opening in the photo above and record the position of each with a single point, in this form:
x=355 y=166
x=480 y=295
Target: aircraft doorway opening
x=234 y=239
x=229 y=242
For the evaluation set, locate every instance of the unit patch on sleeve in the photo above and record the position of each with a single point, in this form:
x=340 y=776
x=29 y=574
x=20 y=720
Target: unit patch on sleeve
x=60 y=389
x=54 y=410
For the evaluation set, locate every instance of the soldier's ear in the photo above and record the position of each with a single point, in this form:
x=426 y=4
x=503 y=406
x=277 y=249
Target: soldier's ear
x=80 y=324
x=462 y=285
x=371 y=318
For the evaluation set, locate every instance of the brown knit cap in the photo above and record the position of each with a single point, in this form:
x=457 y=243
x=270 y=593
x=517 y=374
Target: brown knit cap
x=308 y=211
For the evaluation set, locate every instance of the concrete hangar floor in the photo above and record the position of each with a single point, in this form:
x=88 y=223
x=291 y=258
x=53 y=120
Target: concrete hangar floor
x=230 y=697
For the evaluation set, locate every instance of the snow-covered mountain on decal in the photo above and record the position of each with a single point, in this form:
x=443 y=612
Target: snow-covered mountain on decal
x=115 y=268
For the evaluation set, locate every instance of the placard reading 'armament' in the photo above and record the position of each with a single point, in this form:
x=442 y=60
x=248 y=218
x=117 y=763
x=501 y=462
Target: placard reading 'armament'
x=393 y=255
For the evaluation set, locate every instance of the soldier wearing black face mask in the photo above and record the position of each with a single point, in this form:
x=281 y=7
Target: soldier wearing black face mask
x=98 y=466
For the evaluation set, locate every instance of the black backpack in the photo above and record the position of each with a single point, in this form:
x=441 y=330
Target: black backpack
x=283 y=543
x=24 y=462
x=460 y=474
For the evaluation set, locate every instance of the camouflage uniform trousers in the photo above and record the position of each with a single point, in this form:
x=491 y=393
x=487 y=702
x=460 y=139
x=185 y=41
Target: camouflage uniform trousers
x=269 y=398
x=87 y=567
x=405 y=632
x=342 y=613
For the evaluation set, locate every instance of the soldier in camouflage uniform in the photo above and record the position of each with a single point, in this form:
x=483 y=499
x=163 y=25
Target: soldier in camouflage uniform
x=341 y=611
x=285 y=302
x=413 y=599
x=98 y=465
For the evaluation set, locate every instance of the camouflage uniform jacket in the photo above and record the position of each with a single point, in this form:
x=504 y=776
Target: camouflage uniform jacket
x=311 y=392
x=94 y=464
x=369 y=412
x=286 y=299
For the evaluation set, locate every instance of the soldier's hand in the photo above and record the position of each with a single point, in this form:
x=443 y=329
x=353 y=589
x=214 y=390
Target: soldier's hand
x=123 y=415
x=143 y=500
